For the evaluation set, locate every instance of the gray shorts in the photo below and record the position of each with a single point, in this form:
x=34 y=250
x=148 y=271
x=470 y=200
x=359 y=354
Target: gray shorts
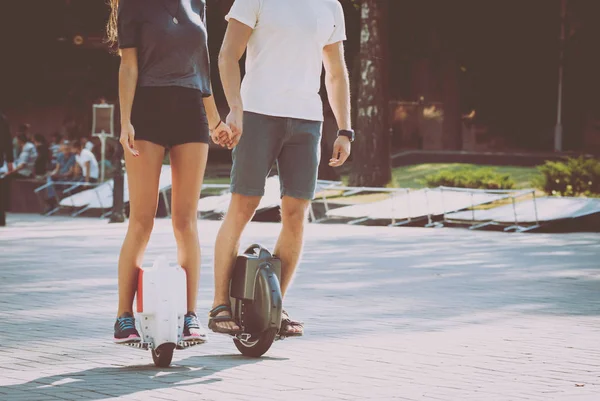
x=294 y=144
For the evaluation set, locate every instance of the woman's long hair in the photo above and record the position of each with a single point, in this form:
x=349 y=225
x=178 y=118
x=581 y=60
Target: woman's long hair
x=111 y=26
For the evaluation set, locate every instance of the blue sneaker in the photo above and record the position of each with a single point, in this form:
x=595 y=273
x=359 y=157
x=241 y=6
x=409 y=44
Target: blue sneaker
x=192 y=330
x=125 y=331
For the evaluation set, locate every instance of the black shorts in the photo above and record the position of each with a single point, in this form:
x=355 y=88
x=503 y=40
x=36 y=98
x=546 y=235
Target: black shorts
x=169 y=116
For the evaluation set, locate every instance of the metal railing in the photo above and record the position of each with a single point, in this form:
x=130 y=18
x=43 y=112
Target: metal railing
x=513 y=195
x=325 y=187
x=70 y=187
x=349 y=191
x=431 y=214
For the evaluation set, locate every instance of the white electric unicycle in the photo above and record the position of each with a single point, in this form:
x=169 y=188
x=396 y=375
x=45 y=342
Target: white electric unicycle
x=161 y=306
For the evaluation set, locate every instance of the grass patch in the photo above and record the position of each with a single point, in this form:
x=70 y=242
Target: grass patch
x=414 y=177
x=217 y=180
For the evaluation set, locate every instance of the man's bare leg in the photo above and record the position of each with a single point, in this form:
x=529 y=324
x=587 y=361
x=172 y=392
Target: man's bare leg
x=240 y=212
x=290 y=242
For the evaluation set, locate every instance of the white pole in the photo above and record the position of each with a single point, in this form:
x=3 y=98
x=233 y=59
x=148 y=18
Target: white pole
x=103 y=157
x=558 y=129
x=103 y=134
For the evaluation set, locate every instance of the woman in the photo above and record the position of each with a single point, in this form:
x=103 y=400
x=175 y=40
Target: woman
x=166 y=104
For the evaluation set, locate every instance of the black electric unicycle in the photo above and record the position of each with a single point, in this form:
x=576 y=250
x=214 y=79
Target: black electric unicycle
x=256 y=300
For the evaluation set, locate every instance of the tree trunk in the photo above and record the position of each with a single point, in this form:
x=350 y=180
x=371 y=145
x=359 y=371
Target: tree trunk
x=371 y=164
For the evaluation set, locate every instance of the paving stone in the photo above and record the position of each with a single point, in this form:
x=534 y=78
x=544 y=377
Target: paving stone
x=390 y=314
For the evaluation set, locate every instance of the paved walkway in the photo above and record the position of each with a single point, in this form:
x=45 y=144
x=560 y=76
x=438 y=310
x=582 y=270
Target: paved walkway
x=391 y=314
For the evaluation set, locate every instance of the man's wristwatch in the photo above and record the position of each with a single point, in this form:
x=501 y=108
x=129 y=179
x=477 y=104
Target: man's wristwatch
x=348 y=133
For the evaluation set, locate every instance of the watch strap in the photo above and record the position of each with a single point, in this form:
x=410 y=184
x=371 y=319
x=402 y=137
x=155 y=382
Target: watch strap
x=347 y=133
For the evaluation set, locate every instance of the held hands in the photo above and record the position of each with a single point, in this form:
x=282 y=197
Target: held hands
x=221 y=134
x=235 y=119
x=341 y=151
x=127 y=139
x=229 y=136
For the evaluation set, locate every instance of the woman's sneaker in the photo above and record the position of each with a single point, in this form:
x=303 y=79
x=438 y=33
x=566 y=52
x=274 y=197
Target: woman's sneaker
x=125 y=331
x=192 y=330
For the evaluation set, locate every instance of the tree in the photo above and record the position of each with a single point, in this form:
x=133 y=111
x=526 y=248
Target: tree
x=371 y=164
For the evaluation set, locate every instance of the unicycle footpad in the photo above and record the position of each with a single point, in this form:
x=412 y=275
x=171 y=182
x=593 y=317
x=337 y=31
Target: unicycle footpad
x=146 y=346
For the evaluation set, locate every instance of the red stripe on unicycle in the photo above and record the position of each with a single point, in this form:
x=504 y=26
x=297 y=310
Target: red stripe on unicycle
x=140 y=292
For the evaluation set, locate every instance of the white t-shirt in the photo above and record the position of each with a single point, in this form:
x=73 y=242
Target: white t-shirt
x=83 y=158
x=284 y=57
x=27 y=158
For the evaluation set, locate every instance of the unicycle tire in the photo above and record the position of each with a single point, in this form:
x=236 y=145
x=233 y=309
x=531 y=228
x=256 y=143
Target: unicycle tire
x=163 y=355
x=256 y=348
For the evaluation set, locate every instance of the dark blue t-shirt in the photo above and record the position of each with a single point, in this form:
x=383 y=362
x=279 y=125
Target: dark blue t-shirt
x=65 y=163
x=171 y=40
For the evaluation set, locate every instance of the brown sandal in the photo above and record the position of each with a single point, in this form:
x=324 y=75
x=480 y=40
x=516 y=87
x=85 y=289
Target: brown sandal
x=214 y=319
x=287 y=323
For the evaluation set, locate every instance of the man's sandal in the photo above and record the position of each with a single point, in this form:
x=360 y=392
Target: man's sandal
x=286 y=324
x=214 y=319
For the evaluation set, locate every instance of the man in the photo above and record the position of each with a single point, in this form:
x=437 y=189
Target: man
x=55 y=147
x=277 y=116
x=86 y=161
x=23 y=130
x=25 y=164
x=42 y=162
x=6 y=156
x=6 y=146
x=23 y=167
x=65 y=163
x=87 y=144
x=64 y=171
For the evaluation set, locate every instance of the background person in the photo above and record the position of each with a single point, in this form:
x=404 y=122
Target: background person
x=87 y=163
x=6 y=165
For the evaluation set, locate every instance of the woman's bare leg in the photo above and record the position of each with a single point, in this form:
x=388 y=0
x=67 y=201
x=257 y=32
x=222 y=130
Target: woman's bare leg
x=188 y=163
x=143 y=173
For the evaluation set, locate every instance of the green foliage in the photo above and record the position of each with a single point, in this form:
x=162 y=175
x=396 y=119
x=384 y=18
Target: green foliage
x=573 y=177
x=481 y=178
x=356 y=3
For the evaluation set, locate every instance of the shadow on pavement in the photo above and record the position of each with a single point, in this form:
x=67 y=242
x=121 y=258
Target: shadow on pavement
x=110 y=382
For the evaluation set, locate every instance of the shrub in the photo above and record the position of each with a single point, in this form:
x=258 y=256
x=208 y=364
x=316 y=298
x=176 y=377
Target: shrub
x=573 y=177
x=470 y=178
